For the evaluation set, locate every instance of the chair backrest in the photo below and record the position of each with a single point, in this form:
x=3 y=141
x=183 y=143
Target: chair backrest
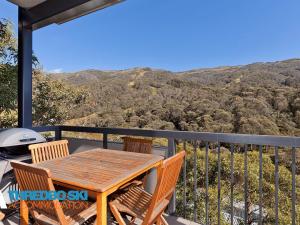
x=49 y=150
x=167 y=178
x=32 y=178
x=137 y=145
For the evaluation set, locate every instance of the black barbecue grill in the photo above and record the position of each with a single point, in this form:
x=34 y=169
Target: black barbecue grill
x=14 y=146
x=14 y=142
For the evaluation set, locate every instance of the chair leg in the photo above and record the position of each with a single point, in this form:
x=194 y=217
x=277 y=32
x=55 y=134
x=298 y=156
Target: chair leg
x=117 y=214
x=2 y=215
x=158 y=222
x=163 y=220
x=132 y=221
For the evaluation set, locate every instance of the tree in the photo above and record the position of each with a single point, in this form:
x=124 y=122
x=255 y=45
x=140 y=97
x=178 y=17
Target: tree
x=52 y=99
x=8 y=51
x=8 y=78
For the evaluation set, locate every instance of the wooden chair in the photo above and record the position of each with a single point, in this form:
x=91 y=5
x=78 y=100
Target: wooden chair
x=137 y=203
x=138 y=145
x=49 y=150
x=32 y=178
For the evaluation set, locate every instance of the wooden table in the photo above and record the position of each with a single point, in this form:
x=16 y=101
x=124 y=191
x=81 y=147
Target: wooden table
x=100 y=171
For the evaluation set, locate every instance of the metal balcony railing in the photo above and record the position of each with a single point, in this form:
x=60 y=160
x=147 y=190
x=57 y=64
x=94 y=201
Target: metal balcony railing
x=244 y=201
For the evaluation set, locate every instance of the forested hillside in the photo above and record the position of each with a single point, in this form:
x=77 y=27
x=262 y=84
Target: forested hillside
x=261 y=98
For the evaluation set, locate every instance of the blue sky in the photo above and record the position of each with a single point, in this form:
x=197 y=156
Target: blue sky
x=175 y=35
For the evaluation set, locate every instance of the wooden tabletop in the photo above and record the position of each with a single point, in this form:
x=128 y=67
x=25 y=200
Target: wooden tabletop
x=100 y=169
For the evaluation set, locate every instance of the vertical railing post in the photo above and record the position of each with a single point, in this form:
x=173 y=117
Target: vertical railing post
x=246 y=184
x=231 y=182
x=105 y=142
x=206 y=183
x=171 y=147
x=195 y=183
x=276 y=185
x=260 y=221
x=57 y=133
x=171 y=152
x=219 y=183
x=184 y=183
x=293 y=186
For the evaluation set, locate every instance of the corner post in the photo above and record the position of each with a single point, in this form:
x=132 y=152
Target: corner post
x=24 y=71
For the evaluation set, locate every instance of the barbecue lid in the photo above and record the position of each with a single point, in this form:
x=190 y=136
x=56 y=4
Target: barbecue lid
x=19 y=136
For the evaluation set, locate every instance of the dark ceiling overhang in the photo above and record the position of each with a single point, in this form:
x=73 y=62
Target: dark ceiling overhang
x=41 y=13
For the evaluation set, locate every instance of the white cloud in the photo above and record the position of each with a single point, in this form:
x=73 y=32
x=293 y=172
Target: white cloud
x=59 y=70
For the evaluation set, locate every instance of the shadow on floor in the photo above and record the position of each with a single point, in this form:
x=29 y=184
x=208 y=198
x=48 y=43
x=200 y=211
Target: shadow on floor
x=179 y=221
x=14 y=220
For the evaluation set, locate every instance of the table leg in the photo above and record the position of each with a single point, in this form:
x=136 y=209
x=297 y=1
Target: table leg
x=24 y=213
x=101 y=209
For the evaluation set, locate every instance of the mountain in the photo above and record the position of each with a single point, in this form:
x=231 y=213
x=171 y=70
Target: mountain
x=260 y=98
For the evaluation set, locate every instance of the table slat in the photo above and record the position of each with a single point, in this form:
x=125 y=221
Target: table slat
x=100 y=169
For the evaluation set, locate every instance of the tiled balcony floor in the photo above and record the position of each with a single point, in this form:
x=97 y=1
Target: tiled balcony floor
x=14 y=220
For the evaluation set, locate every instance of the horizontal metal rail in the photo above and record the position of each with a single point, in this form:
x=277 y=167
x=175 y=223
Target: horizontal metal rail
x=235 y=143
x=280 y=141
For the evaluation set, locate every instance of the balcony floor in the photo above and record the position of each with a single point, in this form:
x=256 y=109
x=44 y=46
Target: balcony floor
x=14 y=220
